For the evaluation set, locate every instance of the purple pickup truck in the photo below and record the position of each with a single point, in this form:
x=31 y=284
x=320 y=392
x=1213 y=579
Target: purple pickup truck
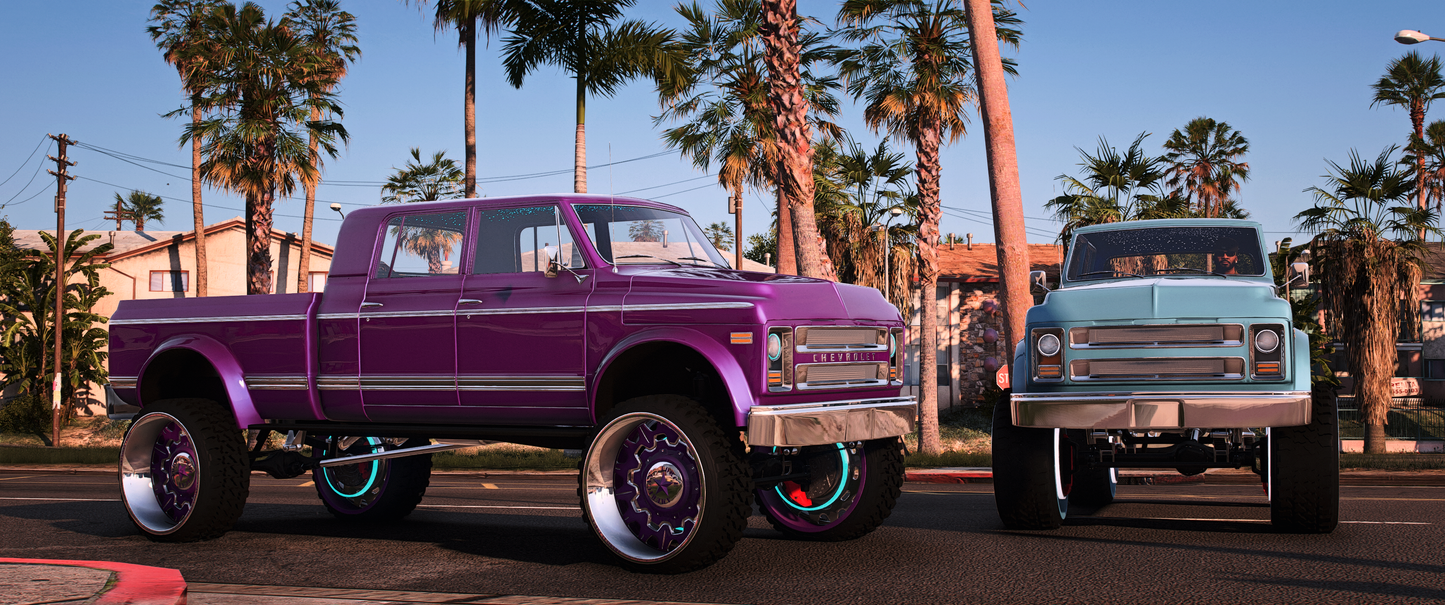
x=607 y=325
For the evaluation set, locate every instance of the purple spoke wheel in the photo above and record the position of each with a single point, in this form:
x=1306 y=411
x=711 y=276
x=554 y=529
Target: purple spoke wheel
x=175 y=471
x=658 y=487
x=183 y=470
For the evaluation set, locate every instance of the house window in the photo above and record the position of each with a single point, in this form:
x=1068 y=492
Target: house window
x=170 y=281
x=316 y=281
x=1432 y=310
x=1435 y=369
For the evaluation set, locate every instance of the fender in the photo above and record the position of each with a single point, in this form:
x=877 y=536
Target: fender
x=1303 y=373
x=734 y=380
x=220 y=357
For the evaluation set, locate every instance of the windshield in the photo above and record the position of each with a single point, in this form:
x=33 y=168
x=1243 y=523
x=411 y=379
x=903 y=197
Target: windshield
x=634 y=235
x=1175 y=251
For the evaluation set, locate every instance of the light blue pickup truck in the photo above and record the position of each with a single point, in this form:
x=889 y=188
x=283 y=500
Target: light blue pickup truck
x=1166 y=345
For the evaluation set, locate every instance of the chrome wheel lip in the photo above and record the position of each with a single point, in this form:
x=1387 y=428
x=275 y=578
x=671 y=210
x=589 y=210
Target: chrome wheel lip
x=600 y=490
x=136 y=482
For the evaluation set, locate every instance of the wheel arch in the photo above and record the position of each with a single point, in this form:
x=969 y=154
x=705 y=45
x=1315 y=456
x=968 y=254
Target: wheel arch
x=671 y=360
x=196 y=366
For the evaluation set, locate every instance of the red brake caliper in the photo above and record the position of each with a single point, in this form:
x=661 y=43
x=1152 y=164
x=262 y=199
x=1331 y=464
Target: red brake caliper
x=796 y=494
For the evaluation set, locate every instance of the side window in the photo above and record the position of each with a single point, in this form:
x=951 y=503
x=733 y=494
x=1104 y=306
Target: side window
x=512 y=240
x=420 y=245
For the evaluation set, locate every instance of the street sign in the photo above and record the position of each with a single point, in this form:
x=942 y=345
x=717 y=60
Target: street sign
x=1001 y=377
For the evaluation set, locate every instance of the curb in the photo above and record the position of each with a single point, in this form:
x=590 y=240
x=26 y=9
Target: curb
x=134 y=584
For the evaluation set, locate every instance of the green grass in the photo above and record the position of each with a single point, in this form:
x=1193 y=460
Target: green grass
x=1392 y=462
x=505 y=459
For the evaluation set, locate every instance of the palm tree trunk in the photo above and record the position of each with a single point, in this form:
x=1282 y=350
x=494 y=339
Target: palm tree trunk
x=1417 y=119
x=468 y=32
x=196 y=210
x=1003 y=172
x=258 y=243
x=303 y=267
x=928 y=217
x=579 y=154
x=737 y=194
x=790 y=113
x=787 y=260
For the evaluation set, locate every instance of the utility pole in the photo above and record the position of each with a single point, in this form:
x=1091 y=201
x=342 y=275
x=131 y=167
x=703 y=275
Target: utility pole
x=61 y=178
x=735 y=206
x=119 y=215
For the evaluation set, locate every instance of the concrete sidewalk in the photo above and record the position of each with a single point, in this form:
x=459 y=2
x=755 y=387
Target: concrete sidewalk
x=48 y=582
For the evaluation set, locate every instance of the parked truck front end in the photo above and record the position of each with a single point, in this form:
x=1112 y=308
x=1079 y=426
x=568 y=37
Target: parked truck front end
x=1165 y=346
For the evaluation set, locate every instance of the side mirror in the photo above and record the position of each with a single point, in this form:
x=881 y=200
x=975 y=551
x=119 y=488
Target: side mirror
x=1303 y=271
x=1036 y=278
x=553 y=267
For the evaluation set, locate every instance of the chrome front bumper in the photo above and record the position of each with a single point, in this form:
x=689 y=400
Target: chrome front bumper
x=831 y=421
x=1161 y=411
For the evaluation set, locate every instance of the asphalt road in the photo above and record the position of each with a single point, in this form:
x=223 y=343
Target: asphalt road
x=1185 y=543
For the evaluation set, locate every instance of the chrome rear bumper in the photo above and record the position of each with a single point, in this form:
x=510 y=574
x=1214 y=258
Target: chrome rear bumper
x=1162 y=411
x=831 y=422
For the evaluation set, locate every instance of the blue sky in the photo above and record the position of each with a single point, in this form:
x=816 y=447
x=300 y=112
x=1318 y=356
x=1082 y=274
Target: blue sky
x=1293 y=77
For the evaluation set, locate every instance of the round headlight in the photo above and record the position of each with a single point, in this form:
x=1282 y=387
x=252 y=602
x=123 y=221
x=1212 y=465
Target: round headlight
x=775 y=347
x=1048 y=345
x=1266 y=341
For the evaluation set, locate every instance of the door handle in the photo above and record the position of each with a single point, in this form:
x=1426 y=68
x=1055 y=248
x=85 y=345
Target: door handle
x=469 y=301
x=370 y=305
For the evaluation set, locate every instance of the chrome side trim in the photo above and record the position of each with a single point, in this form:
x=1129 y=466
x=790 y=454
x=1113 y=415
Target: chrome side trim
x=1161 y=410
x=123 y=382
x=204 y=320
x=439 y=313
x=443 y=382
x=831 y=421
x=336 y=315
x=448 y=382
x=521 y=383
x=521 y=311
x=277 y=382
x=678 y=307
x=338 y=383
x=542 y=310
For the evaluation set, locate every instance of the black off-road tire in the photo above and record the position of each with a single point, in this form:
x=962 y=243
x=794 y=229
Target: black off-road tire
x=1304 y=471
x=716 y=482
x=403 y=484
x=219 y=477
x=882 y=485
x=1024 y=487
x=1092 y=487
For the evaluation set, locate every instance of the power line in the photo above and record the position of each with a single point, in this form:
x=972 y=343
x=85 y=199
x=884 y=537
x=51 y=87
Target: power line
x=705 y=176
x=38 y=166
x=981 y=221
x=658 y=197
x=27 y=161
x=317 y=217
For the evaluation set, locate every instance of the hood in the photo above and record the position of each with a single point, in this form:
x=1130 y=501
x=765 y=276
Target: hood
x=774 y=297
x=1205 y=298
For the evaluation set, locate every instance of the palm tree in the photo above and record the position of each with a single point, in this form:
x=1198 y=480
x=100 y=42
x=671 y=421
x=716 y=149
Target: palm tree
x=1412 y=82
x=1366 y=275
x=723 y=98
x=721 y=236
x=787 y=97
x=1204 y=163
x=467 y=16
x=439 y=179
x=1430 y=153
x=141 y=207
x=1116 y=187
x=329 y=34
x=582 y=38
x=913 y=71
x=262 y=91
x=180 y=32
x=854 y=193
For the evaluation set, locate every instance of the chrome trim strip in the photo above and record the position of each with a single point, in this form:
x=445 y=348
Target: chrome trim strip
x=277 y=382
x=389 y=314
x=680 y=306
x=448 y=382
x=1158 y=344
x=336 y=315
x=445 y=445
x=200 y=320
x=1161 y=409
x=542 y=310
x=521 y=383
x=123 y=382
x=1161 y=377
x=521 y=311
x=831 y=421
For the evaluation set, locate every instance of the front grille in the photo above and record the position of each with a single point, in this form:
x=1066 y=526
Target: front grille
x=1185 y=368
x=1186 y=335
x=842 y=339
x=832 y=376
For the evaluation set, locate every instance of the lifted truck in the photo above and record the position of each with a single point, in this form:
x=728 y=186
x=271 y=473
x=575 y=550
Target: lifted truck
x=604 y=324
x=1165 y=346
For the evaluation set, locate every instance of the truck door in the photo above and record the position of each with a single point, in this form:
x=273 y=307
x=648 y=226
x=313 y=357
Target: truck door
x=520 y=334
x=407 y=321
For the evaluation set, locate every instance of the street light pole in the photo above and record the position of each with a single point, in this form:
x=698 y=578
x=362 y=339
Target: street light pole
x=1410 y=36
x=893 y=213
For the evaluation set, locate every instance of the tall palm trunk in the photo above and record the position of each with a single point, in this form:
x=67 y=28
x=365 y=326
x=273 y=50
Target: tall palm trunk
x=303 y=269
x=928 y=217
x=579 y=154
x=468 y=33
x=258 y=242
x=196 y=210
x=1417 y=119
x=787 y=259
x=1003 y=172
x=737 y=195
x=790 y=113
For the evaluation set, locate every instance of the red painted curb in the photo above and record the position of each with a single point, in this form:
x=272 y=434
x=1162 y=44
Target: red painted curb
x=945 y=477
x=134 y=584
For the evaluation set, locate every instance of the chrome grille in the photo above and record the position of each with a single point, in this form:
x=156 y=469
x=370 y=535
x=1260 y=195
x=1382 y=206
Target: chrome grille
x=841 y=339
x=1185 y=368
x=836 y=375
x=1185 y=335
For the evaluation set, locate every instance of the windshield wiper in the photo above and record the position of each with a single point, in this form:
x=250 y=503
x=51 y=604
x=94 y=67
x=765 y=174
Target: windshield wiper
x=706 y=260
x=1113 y=273
x=666 y=260
x=1194 y=269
